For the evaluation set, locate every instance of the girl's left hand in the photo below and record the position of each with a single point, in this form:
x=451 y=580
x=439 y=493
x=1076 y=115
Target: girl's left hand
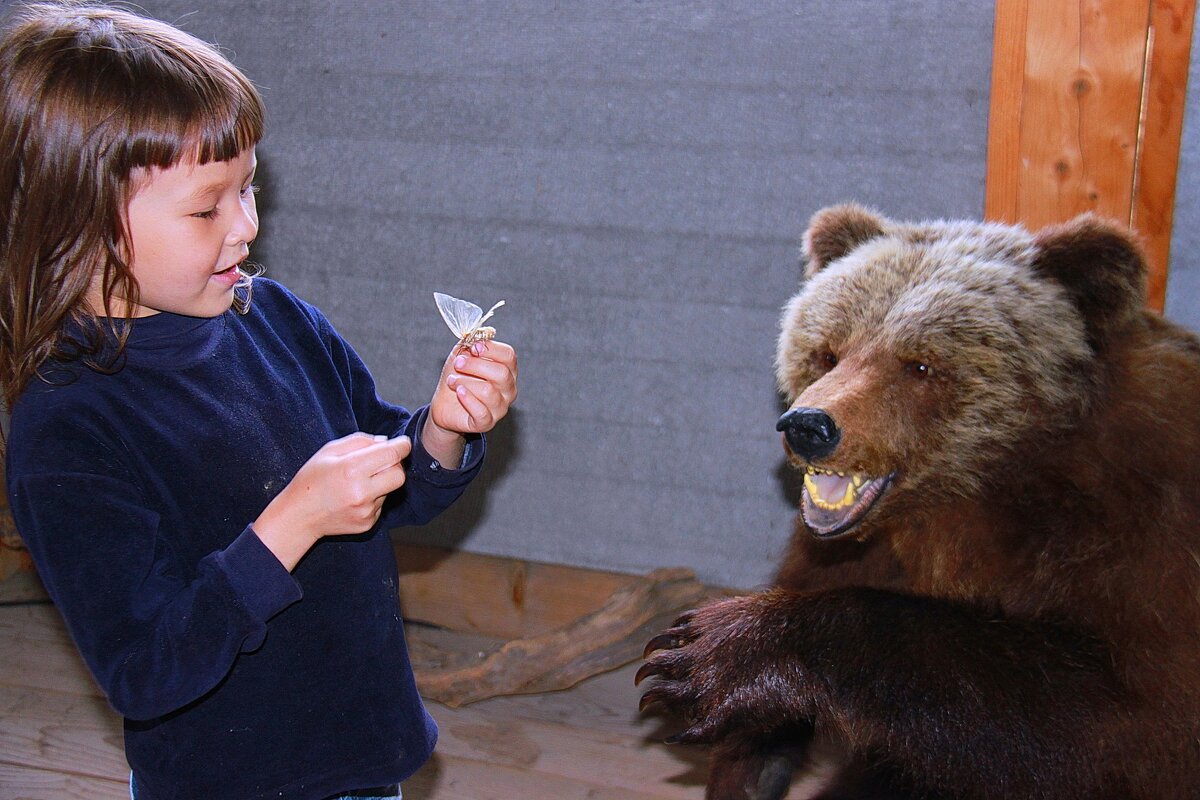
x=476 y=389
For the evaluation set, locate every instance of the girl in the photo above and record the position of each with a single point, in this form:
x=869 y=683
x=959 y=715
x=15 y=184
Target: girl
x=203 y=476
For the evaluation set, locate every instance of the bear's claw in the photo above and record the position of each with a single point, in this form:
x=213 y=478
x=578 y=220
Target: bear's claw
x=664 y=641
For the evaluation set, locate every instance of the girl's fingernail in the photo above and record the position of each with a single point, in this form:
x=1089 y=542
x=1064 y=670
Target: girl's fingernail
x=460 y=362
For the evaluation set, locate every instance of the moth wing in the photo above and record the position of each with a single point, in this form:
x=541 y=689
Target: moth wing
x=460 y=316
x=489 y=313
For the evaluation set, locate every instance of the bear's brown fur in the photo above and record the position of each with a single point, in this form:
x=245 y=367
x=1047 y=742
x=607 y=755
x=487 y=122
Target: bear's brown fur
x=1000 y=596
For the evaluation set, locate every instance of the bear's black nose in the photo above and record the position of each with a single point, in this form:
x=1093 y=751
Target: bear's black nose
x=810 y=432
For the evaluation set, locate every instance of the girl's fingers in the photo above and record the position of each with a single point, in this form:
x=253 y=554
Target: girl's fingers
x=387 y=480
x=383 y=455
x=480 y=414
x=483 y=379
x=484 y=369
x=498 y=354
x=492 y=382
x=486 y=391
x=349 y=444
x=495 y=351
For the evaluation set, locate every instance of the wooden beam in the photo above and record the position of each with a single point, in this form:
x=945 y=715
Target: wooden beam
x=1075 y=82
x=1004 y=125
x=1171 y=26
x=1087 y=113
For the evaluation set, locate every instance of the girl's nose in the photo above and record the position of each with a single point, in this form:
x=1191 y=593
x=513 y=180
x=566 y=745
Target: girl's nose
x=245 y=227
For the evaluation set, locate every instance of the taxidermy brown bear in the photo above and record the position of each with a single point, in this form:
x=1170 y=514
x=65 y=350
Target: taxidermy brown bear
x=994 y=586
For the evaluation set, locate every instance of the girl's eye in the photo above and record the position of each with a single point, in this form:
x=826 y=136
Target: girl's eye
x=210 y=214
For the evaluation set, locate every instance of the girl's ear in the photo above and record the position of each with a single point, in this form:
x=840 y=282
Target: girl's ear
x=1101 y=265
x=835 y=231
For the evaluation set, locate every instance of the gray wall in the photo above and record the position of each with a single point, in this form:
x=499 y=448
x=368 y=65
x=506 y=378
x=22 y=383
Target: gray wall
x=632 y=177
x=1183 y=280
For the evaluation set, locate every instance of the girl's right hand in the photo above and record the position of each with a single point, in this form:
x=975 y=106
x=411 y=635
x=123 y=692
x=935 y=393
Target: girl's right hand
x=340 y=490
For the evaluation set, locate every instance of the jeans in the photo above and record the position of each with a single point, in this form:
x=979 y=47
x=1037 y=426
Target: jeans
x=378 y=793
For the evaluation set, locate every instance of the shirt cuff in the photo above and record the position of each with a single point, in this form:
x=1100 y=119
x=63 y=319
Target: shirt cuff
x=426 y=467
x=259 y=582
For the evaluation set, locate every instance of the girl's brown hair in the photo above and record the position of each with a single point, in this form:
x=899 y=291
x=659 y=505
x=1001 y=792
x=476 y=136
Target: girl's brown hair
x=88 y=95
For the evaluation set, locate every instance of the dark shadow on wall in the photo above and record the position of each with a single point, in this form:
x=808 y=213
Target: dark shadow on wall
x=791 y=483
x=456 y=524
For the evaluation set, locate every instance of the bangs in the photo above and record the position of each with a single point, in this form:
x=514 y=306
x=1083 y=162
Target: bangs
x=135 y=92
x=209 y=112
x=205 y=133
x=121 y=92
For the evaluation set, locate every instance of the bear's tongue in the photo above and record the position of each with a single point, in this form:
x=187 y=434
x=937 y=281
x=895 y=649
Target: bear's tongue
x=830 y=492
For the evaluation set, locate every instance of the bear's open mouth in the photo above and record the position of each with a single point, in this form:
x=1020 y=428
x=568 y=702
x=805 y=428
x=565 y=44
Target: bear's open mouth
x=834 y=502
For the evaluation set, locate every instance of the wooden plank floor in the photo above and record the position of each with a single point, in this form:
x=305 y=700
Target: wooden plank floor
x=59 y=739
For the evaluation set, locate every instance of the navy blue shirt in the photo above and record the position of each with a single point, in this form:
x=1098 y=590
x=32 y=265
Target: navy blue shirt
x=135 y=492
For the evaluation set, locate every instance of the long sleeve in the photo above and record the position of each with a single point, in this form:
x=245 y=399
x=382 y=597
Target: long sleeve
x=156 y=637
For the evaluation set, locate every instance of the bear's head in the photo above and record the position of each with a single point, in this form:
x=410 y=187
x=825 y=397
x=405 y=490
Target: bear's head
x=925 y=362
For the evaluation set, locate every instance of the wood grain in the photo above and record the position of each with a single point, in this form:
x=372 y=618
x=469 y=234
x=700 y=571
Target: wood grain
x=1087 y=114
x=58 y=739
x=1004 y=128
x=501 y=597
x=1171 y=26
x=20 y=783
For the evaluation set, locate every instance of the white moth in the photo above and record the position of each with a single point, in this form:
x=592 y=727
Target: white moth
x=465 y=319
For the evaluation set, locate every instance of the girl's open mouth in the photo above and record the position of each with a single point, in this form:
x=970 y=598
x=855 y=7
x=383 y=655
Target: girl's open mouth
x=228 y=277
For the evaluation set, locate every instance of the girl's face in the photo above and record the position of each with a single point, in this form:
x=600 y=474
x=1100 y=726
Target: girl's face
x=189 y=227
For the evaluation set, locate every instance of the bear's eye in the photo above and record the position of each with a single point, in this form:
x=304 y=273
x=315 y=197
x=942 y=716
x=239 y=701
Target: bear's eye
x=828 y=360
x=919 y=369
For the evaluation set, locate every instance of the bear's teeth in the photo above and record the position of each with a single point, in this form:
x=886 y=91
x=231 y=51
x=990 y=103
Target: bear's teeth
x=857 y=478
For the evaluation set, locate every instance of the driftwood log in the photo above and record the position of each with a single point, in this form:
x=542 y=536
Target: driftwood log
x=608 y=637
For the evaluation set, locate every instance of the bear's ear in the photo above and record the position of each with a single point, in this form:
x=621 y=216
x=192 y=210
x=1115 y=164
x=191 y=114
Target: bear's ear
x=1102 y=267
x=835 y=231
